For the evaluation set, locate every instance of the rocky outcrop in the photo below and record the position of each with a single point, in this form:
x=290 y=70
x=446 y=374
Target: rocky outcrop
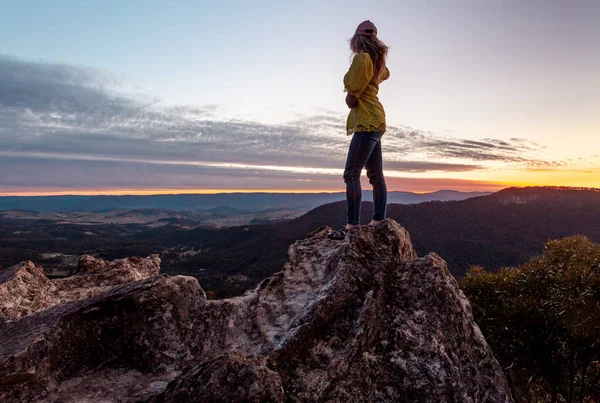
x=228 y=378
x=357 y=320
x=144 y=326
x=25 y=289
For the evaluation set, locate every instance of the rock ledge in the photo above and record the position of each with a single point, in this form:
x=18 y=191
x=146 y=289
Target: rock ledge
x=358 y=320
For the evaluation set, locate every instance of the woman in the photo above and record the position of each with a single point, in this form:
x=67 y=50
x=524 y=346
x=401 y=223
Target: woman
x=366 y=124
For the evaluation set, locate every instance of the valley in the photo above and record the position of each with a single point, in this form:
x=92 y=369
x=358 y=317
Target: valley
x=229 y=255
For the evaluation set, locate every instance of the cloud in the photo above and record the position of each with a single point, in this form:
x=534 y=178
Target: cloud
x=24 y=174
x=69 y=119
x=426 y=166
x=515 y=150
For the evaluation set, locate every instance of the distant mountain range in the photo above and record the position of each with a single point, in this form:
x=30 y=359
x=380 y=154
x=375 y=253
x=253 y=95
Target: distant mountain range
x=503 y=229
x=246 y=202
x=497 y=230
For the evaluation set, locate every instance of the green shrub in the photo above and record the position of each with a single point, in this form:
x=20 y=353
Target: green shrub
x=542 y=320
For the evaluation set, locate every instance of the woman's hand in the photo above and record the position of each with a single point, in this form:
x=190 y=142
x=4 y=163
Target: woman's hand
x=351 y=101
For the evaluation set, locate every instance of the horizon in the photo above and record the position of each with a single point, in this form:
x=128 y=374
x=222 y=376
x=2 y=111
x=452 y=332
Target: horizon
x=181 y=192
x=186 y=192
x=198 y=98
x=171 y=192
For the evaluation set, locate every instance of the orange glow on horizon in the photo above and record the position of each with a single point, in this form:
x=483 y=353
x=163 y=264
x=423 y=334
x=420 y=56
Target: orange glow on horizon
x=148 y=192
x=414 y=185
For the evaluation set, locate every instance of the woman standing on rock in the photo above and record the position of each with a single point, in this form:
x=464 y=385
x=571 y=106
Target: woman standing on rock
x=366 y=124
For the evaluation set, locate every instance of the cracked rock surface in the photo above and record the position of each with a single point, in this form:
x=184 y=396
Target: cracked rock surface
x=358 y=320
x=25 y=289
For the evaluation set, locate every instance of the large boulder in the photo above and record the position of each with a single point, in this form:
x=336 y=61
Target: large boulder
x=25 y=289
x=357 y=320
x=144 y=326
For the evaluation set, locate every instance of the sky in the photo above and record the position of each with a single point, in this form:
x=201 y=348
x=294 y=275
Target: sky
x=115 y=97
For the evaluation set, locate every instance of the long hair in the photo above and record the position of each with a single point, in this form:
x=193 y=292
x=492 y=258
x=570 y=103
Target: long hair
x=374 y=47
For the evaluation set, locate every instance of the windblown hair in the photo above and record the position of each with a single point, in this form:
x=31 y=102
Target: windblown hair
x=374 y=47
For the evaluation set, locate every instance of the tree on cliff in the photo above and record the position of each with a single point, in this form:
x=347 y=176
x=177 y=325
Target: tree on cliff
x=542 y=321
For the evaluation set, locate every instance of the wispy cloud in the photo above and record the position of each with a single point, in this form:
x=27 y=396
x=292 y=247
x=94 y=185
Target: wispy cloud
x=515 y=150
x=70 y=125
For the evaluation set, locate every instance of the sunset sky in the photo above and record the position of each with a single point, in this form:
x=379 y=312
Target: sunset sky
x=196 y=96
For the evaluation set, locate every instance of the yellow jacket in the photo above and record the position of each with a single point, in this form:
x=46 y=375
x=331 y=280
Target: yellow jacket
x=369 y=115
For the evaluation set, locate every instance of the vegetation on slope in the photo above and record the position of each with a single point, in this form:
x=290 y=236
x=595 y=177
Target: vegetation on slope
x=542 y=320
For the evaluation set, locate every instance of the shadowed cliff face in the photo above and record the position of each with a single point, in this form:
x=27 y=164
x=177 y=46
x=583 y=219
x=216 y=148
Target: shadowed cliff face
x=357 y=320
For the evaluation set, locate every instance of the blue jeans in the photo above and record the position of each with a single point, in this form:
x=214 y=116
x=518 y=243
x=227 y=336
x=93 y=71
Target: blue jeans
x=365 y=151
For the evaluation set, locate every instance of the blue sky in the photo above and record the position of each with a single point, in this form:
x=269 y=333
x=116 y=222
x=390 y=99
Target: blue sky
x=489 y=93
